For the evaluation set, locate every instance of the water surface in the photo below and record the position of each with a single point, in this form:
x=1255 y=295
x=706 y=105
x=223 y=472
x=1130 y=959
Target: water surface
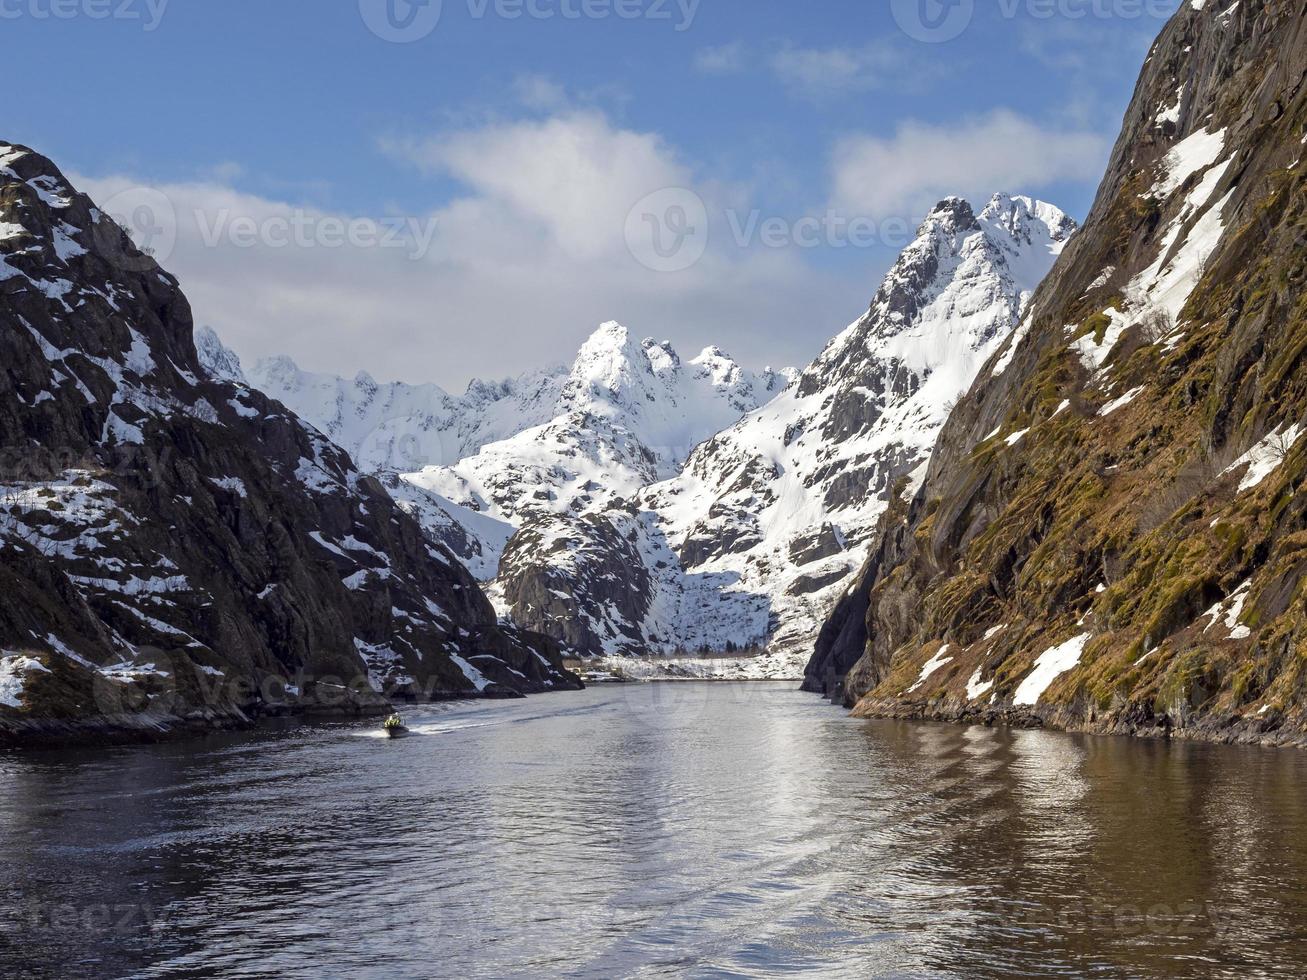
x=698 y=830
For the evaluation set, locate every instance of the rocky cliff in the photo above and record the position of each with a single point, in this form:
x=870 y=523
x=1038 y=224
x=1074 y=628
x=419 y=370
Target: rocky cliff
x=1112 y=533
x=177 y=549
x=531 y=481
x=680 y=508
x=772 y=516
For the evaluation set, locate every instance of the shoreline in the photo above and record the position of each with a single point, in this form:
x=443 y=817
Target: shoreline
x=794 y=683
x=46 y=734
x=1232 y=732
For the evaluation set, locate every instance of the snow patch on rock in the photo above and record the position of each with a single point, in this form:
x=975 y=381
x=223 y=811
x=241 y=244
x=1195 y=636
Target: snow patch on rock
x=1048 y=668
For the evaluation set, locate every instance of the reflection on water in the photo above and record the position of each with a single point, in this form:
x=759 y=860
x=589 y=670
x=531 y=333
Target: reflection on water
x=702 y=830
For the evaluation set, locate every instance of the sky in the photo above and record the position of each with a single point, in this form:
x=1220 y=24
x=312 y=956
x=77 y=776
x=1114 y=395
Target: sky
x=450 y=189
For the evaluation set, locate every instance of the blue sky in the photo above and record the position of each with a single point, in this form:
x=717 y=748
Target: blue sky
x=508 y=154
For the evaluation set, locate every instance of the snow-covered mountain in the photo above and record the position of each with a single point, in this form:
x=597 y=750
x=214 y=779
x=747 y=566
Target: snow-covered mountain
x=782 y=503
x=396 y=427
x=646 y=505
x=629 y=414
x=474 y=469
x=750 y=544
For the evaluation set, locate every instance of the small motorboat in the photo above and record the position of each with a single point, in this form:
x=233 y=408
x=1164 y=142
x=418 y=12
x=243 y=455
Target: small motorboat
x=394 y=727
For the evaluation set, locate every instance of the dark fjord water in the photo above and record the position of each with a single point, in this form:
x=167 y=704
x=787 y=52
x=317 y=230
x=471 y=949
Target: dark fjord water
x=672 y=830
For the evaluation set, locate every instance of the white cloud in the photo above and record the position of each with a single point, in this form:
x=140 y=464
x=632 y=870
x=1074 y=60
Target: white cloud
x=524 y=264
x=827 y=72
x=574 y=176
x=728 y=59
x=905 y=174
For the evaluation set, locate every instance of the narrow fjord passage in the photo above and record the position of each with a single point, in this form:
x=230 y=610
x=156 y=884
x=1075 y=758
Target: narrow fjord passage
x=699 y=830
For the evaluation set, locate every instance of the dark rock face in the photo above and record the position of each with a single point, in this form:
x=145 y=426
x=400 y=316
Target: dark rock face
x=843 y=638
x=825 y=542
x=180 y=551
x=580 y=579
x=1110 y=536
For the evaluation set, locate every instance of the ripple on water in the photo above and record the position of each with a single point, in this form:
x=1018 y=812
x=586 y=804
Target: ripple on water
x=695 y=830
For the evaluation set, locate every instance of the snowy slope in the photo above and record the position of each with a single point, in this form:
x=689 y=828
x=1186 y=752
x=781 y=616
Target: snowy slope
x=629 y=413
x=395 y=427
x=581 y=565
x=474 y=469
x=637 y=503
x=782 y=502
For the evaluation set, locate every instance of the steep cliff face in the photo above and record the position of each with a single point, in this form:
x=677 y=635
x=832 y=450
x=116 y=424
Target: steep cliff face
x=1112 y=533
x=773 y=515
x=178 y=549
x=582 y=580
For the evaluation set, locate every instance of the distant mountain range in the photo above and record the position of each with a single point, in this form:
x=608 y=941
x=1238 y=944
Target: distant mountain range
x=1002 y=495
x=637 y=504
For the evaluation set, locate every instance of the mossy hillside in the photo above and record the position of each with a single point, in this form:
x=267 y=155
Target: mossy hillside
x=1131 y=526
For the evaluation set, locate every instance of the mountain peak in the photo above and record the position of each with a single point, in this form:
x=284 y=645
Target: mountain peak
x=281 y=368
x=712 y=353
x=608 y=364
x=952 y=211
x=609 y=336
x=1028 y=219
x=957 y=286
x=662 y=355
x=219 y=362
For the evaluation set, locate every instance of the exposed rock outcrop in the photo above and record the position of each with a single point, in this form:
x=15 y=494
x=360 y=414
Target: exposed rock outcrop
x=773 y=515
x=178 y=550
x=1111 y=532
